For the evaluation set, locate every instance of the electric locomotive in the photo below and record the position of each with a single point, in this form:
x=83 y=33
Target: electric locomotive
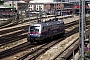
x=43 y=30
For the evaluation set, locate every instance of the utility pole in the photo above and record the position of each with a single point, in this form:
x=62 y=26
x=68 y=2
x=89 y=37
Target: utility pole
x=80 y=21
x=55 y=13
x=61 y=8
x=82 y=29
x=29 y=10
x=13 y=8
x=40 y=13
x=84 y=20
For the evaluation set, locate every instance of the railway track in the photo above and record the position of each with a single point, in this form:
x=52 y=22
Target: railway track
x=21 y=22
x=65 y=54
x=32 y=54
x=24 y=46
x=73 y=46
x=14 y=28
x=32 y=19
x=15 y=34
x=43 y=49
x=37 y=52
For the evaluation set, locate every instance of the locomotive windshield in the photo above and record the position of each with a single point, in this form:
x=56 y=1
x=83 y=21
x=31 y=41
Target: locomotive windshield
x=34 y=28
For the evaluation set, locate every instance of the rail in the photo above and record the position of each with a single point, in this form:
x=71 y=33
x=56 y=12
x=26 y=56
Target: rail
x=34 y=19
x=69 y=51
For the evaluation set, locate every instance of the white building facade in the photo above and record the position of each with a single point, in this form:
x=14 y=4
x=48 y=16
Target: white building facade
x=36 y=6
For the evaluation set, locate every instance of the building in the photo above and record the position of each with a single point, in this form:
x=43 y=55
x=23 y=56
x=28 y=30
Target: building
x=18 y=6
x=5 y=11
x=36 y=6
x=50 y=7
x=76 y=7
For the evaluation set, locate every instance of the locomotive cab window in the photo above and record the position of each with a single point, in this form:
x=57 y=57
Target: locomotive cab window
x=34 y=28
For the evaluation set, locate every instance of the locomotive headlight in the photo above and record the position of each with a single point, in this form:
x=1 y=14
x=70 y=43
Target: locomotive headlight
x=38 y=35
x=31 y=34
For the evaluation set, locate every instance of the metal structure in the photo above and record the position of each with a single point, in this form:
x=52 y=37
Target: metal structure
x=40 y=14
x=80 y=21
x=13 y=7
x=61 y=8
x=28 y=10
x=82 y=29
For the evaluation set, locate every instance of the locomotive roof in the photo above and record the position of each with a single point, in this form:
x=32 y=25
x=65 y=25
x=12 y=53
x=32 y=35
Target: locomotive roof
x=47 y=23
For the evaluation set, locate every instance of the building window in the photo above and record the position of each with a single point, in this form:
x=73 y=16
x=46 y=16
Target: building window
x=31 y=5
x=41 y=8
x=37 y=8
x=31 y=9
x=10 y=4
x=54 y=4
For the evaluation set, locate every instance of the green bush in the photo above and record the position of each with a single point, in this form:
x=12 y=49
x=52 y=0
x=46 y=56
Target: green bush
x=87 y=55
